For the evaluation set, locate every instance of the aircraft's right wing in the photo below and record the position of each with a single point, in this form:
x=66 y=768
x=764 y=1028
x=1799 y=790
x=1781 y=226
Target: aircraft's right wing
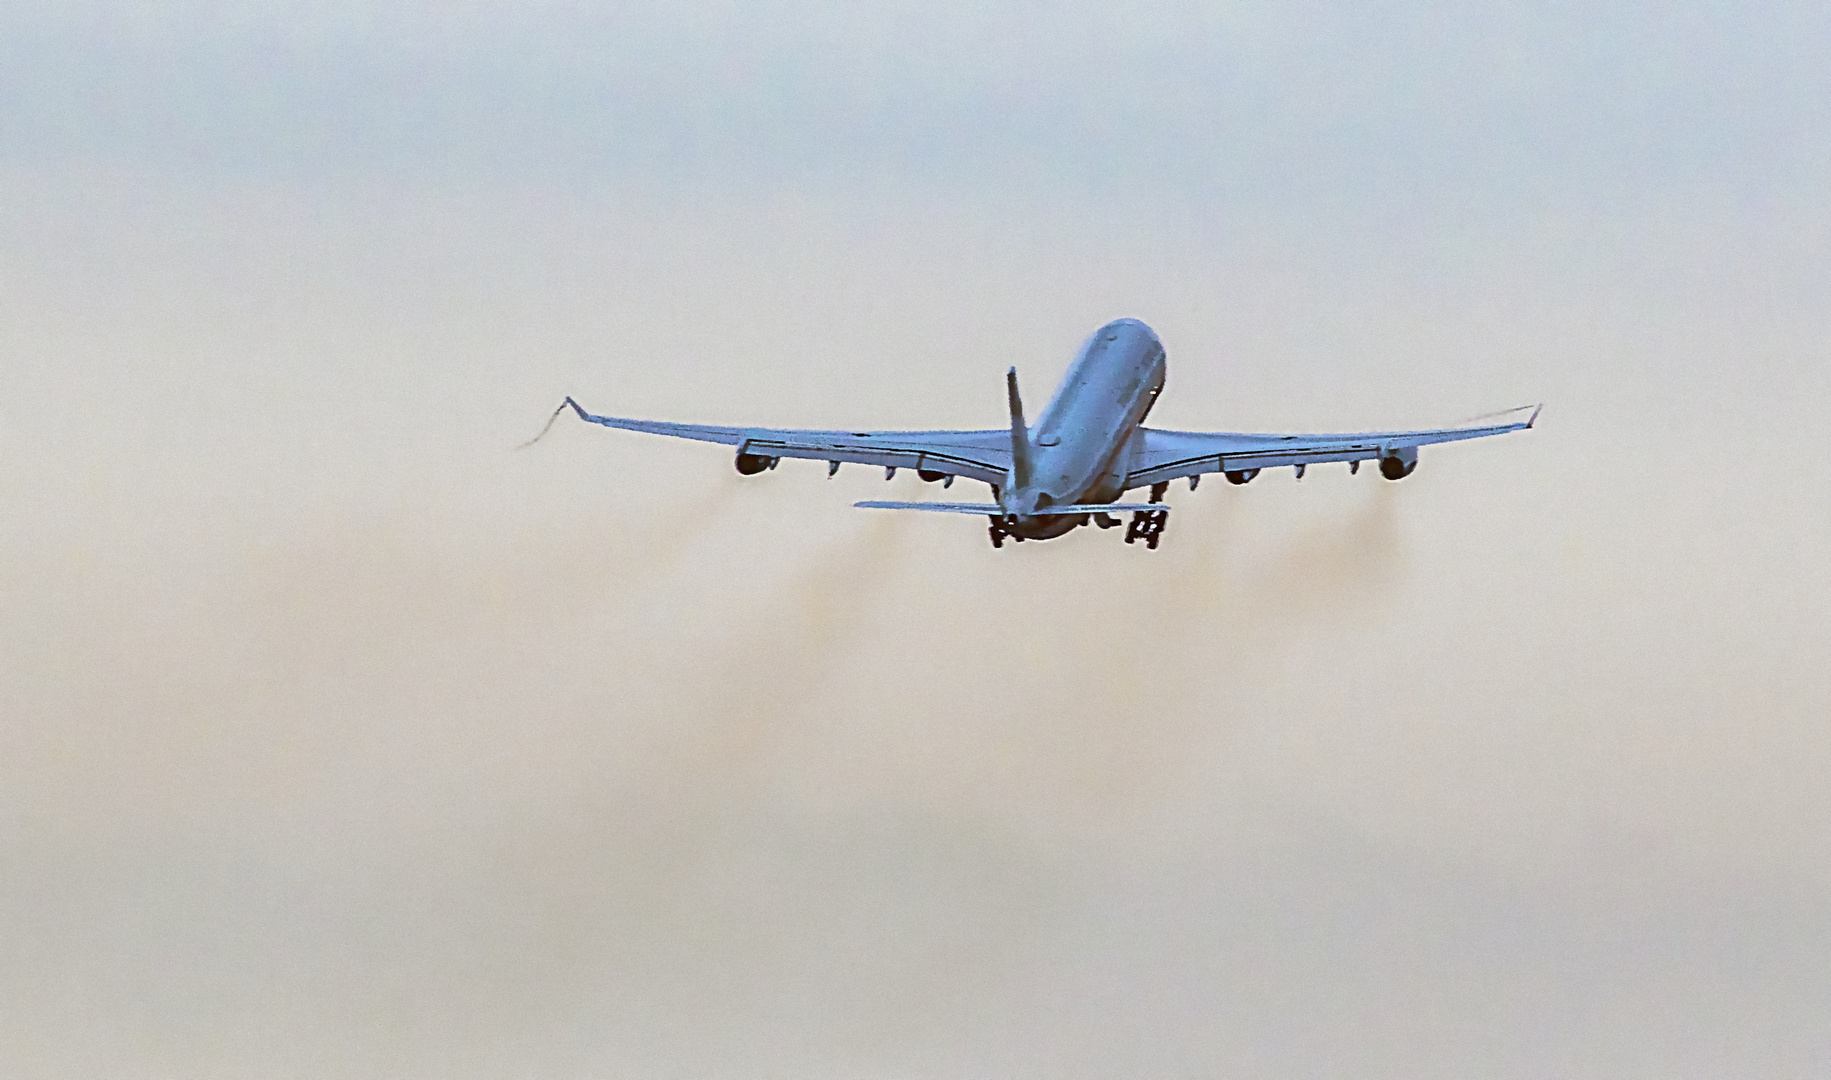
x=1169 y=455
x=977 y=455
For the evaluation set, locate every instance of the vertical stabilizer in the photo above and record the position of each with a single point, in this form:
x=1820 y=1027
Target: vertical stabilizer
x=1020 y=435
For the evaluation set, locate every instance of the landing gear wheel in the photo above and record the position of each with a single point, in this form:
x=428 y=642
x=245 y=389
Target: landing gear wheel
x=1147 y=525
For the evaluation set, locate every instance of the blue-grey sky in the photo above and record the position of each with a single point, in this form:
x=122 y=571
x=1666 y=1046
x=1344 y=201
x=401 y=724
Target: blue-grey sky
x=1423 y=107
x=337 y=739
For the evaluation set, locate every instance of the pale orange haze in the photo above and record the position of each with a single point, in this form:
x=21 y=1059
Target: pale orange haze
x=339 y=738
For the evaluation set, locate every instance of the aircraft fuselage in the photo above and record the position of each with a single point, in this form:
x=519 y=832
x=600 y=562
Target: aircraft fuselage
x=1081 y=443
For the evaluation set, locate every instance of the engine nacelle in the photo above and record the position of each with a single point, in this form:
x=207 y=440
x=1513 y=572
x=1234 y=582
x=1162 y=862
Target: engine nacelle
x=930 y=475
x=752 y=464
x=1241 y=476
x=1399 y=464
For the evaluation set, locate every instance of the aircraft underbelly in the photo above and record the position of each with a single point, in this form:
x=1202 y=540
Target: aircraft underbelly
x=1047 y=528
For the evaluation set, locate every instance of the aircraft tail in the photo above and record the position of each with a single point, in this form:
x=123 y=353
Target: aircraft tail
x=1020 y=435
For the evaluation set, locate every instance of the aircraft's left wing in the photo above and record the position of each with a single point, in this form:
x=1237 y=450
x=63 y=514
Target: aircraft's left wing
x=977 y=455
x=1168 y=455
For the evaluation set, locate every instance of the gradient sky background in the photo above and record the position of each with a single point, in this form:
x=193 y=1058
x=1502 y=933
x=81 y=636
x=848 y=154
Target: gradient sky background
x=336 y=739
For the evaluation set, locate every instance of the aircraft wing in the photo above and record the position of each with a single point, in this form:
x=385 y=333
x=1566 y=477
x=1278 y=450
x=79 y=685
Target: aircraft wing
x=977 y=455
x=1168 y=455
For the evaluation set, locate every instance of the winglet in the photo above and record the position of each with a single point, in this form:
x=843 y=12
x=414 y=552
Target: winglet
x=1515 y=411
x=1020 y=434
x=1534 y=418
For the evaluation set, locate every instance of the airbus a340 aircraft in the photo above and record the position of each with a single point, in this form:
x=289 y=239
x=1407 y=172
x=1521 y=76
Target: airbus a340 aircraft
x=1088 y=448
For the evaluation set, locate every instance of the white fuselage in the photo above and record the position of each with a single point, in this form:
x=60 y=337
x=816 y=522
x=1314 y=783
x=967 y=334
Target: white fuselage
x=1080 y=445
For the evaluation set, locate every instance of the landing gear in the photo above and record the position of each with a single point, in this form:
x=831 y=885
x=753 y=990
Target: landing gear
x=1001 y=529
x=1147 y=525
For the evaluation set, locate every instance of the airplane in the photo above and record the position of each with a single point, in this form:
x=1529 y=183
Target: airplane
x=1086 y=451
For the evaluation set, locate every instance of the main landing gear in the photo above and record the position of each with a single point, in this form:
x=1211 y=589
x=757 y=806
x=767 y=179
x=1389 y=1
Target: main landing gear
x=1147 y=525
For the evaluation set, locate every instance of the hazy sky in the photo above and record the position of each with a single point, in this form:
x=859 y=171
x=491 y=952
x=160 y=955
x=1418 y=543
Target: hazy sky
x=337 y=739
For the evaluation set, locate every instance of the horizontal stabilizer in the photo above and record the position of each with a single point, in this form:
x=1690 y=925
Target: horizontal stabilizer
x=1102 y=508
x=944 y=508
x=995 y=510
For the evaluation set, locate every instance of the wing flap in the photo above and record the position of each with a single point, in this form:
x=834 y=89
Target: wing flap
x=891 y=451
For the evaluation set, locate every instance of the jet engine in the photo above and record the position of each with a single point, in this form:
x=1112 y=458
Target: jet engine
x=1241 y=476
x=1399 y=465
x=752 y=464
x=930 y=475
